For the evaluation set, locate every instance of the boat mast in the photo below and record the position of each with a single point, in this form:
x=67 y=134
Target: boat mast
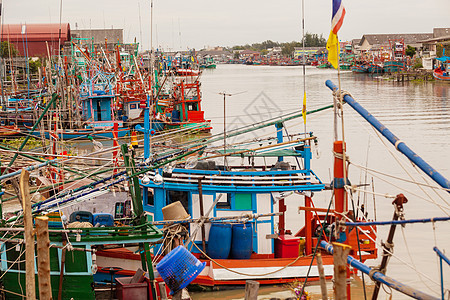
x=149 y=107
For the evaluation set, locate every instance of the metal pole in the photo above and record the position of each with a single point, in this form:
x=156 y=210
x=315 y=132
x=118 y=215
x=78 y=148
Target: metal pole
x=200 y=200
x=441 y=258
x=378 y=276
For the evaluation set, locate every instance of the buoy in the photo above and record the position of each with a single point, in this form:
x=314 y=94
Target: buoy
x=134 y=141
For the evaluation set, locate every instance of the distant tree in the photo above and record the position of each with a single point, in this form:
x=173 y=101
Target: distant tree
x=238 y=48
x=34 y=65
x=314 y=40
x=410 y=51
x=7 y=47
x=236 y=55
x=287 y=49
x=264 y=52
x=265 y=45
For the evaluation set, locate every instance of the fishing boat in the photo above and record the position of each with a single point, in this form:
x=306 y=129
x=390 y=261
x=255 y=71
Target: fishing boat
x=374 y=68
x=106 y=131
x=393 y=66
x=397 y=60
x=359 y=68
x=245 y=237
x=442 y=71
x=72 y=276
x=9 y=130
x=98 y=102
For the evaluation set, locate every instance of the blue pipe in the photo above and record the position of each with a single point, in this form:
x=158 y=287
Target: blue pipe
x=441 y=258
x=398 y=222
x=380 y=277
x=442 y=255
x=399 y=144
x=30 y=168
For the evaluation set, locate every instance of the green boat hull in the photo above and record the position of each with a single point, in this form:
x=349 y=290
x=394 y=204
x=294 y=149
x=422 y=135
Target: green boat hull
x=74 y=286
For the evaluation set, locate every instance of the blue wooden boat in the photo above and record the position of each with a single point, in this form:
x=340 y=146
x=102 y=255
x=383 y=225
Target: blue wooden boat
x=97 y=98
x=252 y=194
x=442 y=72
x=374 y=68
x=359 y=68
x=393 y=66
x=68 y=134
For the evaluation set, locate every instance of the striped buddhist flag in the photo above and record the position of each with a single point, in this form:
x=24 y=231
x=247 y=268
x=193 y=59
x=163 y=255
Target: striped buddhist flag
x=333 y=42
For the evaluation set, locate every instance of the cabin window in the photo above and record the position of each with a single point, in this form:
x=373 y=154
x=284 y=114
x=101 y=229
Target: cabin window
x=54 y=261
x=192 y=107
x=182 y=196
x=99 y=111
x=224 y=202
x=12 y=255
x=150 y=197
x=243 y=201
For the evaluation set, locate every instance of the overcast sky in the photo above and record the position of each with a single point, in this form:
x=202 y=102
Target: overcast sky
x=199 y=23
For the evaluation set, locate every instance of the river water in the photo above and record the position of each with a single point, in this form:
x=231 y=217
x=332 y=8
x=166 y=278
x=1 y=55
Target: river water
x=417 y=112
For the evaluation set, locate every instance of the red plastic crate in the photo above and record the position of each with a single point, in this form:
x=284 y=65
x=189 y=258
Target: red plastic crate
x=286 y=246
x=131 y=291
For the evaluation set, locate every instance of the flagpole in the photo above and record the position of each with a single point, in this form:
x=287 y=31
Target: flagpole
x=304 y=67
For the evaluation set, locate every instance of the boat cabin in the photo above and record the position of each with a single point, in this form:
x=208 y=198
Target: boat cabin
x=251 y=191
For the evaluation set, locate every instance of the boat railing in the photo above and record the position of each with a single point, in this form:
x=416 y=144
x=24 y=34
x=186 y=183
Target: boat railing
x=288 y=178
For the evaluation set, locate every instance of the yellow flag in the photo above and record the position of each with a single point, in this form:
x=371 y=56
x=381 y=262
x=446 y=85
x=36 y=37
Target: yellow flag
x=333 y=49
x=304 y=108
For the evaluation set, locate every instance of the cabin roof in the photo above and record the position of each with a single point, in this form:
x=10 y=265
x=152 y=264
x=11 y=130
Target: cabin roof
x=383 y=39
x=440 y=32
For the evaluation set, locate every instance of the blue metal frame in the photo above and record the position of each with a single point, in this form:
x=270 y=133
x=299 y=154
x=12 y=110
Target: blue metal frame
x=380 y=277
x=442 y=257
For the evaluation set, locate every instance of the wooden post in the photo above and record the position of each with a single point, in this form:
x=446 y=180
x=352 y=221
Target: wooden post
x=323 y=284
x=43 y=257
x=162 y=290
x=340 y=254
x=251 y=290
x=28 y=235
x=182 y=295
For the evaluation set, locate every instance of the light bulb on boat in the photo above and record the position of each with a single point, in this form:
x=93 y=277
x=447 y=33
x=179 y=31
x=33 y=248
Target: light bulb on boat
x=168 y=169
x=158 y=179
x=145 y=179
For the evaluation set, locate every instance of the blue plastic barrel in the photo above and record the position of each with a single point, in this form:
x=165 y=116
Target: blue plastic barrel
x=219 y=242
x=242 y=241
x=81 y=216
x=103 y=219
x=176 y=115
x=179 y=268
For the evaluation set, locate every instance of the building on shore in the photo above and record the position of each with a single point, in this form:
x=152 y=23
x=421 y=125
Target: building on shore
x=37 y=40
x=299 y=51
x=439 y=41
x=370 y=42
x=106 y=39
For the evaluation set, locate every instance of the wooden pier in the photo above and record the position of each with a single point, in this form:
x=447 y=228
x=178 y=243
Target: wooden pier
x=412 y=75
